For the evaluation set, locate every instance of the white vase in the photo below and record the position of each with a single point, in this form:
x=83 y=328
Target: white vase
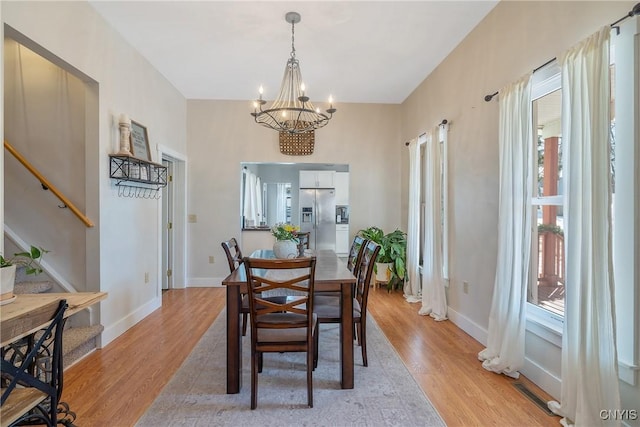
x=7 y=281
x=285 y=249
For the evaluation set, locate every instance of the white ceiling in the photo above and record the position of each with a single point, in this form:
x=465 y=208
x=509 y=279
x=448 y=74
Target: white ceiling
x=358 y=51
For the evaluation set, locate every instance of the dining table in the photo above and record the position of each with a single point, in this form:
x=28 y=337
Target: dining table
x=331 y=275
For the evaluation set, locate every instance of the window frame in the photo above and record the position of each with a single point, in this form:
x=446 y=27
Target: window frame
x=540 y=321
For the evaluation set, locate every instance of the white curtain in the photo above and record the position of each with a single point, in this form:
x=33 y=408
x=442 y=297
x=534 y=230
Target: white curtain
x=252 y=209
x=281 y=202
x=434 y=299
x=589 y=360
x=505 y=342
x=412 y=286
x=258 y=201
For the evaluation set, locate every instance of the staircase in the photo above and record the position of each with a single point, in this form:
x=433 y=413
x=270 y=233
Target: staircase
x=77 y=341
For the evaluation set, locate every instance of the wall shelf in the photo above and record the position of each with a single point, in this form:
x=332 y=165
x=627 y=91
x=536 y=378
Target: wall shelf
x=136 y=177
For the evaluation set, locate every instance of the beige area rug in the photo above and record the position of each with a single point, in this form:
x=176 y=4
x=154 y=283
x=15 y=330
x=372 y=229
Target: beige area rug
x=385 y=394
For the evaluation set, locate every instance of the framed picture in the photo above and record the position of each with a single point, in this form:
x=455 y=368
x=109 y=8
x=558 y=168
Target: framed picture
x=140 y=142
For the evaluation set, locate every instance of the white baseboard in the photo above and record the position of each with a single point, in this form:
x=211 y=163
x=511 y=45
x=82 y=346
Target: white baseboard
x=542 y=378
x=536 y=373
x=112 y=332
x=469 y=326
x=205 y=282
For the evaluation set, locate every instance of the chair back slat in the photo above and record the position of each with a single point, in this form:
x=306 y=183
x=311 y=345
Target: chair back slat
x=233 y=253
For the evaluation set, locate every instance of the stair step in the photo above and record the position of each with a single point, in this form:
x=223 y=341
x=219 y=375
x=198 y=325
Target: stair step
x=78 y=342
x=33 y=287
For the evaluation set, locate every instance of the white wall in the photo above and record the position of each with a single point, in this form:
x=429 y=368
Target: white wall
x=515 y=38
x=222 y=134
x=44 y=109
x=124 y=243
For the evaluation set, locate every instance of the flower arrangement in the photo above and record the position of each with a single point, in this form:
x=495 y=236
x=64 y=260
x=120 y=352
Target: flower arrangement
x=283 y=231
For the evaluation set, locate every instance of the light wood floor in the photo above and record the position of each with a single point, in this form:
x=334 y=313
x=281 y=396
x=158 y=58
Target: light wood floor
x=115 y=385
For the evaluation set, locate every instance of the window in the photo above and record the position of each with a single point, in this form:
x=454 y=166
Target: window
x=423 y=140
x=546 y=289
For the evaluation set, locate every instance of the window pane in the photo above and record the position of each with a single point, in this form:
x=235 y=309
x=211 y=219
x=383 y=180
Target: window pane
x=549 y=163
x=549 y=286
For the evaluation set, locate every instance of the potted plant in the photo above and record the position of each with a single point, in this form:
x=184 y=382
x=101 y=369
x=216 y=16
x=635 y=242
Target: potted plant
x=286 y=245
x=29 y=260
x=392 y=258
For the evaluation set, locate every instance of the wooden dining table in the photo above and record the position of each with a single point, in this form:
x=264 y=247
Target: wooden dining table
x=331 y=275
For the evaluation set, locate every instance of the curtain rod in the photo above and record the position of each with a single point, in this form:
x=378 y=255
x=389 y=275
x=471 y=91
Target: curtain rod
x=632 y=12
x=443 y=122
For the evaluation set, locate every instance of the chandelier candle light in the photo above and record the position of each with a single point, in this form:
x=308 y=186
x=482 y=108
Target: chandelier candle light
x=291 y=111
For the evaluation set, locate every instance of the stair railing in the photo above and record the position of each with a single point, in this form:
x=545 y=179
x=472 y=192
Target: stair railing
x=47 y=185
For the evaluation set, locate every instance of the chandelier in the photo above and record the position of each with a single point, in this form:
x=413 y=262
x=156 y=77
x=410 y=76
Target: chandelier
x=291 y=111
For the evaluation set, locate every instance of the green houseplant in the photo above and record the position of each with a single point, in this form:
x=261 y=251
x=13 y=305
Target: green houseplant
x=29 y=260
x=393 y=251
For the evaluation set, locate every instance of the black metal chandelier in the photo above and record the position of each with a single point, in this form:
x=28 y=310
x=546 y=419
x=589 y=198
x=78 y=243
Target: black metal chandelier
x=291 y=111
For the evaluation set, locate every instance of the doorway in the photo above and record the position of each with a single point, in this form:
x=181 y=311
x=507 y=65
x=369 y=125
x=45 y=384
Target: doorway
x=167 y=227
x=172 y=222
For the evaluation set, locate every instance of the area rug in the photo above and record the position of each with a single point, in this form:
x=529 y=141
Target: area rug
x=385 y=394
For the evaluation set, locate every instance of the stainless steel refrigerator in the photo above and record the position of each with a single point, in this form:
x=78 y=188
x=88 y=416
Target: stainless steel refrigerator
x=318 y=217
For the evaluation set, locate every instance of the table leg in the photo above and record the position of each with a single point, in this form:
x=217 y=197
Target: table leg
x=346 y=335
x=234 y=341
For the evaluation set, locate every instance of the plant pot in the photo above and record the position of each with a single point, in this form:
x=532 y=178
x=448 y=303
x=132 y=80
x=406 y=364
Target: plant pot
x=383 y=271
x=285 y=249
x=7 y=281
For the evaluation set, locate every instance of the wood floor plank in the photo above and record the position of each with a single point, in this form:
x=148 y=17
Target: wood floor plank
x=115 y=385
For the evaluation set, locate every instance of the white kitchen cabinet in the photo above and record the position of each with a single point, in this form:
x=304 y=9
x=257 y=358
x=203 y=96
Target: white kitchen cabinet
x=317 y=179
x=341 y=181
x=342 y=239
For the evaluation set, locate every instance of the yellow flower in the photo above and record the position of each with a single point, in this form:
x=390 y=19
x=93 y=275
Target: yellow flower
x=285 y=231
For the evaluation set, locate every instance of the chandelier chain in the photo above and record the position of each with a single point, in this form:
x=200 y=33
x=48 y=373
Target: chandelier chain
x=293 y=47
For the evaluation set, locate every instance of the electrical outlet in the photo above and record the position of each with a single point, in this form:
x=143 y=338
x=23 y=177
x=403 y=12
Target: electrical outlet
x=212 y=260
x=192 y=218
x=465 y=287
x=146 y=277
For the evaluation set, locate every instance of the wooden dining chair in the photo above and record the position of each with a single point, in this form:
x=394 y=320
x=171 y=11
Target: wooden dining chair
x=328 y=307
x=303 y=238
x=234 y=258
x=290 y=326
x=32 y=379
x=355 y=253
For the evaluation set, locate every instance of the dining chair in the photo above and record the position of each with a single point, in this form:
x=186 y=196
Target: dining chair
x=290 y=326
x=328 y=307
x=303 y=237
x=234 y=258
x=32 y=379
x=355 y=253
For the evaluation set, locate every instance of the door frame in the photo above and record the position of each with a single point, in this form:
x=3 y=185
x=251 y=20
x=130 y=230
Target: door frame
x=179 y=241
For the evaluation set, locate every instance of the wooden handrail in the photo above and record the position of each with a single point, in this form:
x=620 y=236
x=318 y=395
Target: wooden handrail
x=45 y=182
